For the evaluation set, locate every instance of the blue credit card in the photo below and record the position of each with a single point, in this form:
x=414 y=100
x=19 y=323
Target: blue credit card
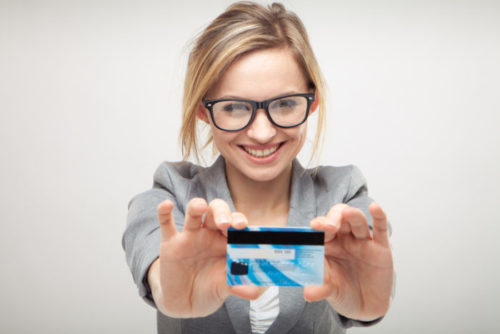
x=275 y=256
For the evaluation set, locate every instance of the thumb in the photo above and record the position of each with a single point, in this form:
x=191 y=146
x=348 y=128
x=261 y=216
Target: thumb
x=245 y=291
x=314 y=293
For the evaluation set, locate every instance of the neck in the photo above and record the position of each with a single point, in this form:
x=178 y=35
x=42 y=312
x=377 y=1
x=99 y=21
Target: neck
x=262 y=202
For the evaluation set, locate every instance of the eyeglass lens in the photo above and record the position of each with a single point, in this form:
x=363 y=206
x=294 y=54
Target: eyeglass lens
x=286 y=111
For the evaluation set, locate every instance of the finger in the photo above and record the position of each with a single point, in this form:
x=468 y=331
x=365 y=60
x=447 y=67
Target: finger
x=380 y=225
x=219 y=215
x=239 y=221
x=358 y=222
x=194 y=214
x=245 y=291
x=166 y=219
x=320 y=224
x=336 y=219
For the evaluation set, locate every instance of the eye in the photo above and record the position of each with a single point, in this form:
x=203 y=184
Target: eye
x=236 y=107
x=233 y=109
x=286 y=103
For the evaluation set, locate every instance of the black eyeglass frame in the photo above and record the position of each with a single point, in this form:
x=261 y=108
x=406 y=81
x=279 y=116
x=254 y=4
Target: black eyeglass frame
x=310 y=97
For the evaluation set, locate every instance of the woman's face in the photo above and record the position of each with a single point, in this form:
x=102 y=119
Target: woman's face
x=261 y=151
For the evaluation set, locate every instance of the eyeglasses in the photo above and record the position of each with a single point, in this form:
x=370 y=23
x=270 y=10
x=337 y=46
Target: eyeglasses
x=286 y=111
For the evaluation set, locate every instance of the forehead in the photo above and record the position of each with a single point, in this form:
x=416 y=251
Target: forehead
x=261 y=75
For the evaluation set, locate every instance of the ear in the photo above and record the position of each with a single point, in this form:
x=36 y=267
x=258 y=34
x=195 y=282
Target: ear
x=202 y=113
x=314 y=105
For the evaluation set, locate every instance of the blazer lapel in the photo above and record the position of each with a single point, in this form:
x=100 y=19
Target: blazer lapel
x=214 y=179
x=302 y=197
x=238 y=310
x=292 y=305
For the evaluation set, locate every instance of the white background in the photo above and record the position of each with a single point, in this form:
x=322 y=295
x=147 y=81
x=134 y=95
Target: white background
x=90 y=97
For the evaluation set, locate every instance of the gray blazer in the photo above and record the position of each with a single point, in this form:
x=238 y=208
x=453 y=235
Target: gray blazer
x=313 y=193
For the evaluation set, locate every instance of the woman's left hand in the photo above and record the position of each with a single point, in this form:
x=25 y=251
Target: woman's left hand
x=359 y=270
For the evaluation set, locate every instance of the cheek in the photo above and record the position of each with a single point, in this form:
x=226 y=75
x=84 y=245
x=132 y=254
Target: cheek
x=221 y=138
x=298 y=133
x=302 y=138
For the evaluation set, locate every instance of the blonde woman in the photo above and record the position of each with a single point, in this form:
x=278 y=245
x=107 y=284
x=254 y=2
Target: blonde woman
x=252 y=78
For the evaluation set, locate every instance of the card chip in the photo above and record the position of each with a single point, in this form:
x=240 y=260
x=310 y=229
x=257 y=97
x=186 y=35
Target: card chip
x=239 y=268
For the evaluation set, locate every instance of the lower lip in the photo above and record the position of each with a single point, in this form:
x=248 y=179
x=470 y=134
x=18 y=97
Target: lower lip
x=264 y=160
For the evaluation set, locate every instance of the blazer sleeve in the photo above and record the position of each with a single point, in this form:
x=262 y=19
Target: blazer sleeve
x=141 y=238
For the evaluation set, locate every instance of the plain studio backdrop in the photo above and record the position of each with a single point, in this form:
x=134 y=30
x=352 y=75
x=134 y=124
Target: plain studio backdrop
x=90 y=95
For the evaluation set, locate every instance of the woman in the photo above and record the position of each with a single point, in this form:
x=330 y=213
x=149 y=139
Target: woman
x=253 y=79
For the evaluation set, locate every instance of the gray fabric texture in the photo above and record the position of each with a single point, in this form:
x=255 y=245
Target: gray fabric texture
x=313 y=193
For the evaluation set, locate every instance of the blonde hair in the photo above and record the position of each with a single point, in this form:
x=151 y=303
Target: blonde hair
x=244 y=27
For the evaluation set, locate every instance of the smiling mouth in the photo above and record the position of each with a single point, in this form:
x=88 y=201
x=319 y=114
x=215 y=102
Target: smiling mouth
x=261 y=153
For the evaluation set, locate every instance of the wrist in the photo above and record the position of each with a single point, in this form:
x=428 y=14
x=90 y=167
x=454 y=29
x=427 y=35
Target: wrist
x=153 y=279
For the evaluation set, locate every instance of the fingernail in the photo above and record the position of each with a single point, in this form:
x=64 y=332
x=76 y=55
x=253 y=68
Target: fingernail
x=223 y=219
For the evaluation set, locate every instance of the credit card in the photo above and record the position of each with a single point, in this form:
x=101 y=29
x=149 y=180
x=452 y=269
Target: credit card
x=275 y=256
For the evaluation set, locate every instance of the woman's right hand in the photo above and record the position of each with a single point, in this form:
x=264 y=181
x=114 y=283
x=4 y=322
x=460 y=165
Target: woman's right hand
x=189 y=278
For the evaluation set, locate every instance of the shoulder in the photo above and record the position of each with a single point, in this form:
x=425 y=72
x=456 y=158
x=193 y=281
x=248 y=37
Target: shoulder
x=347 y=177
x=188 y=179
x=335 y=173
x=344 y=184
x=334 y=184
x=170 y=180
x=182 y=170
x=178 y=178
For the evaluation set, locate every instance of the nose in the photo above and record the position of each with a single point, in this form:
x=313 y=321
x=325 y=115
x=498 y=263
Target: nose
x=261 y=129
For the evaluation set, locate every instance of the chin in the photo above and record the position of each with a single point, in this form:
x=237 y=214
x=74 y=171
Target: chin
x=263 y=175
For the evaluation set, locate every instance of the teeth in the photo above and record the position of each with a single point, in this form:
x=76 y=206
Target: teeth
x=261 y=153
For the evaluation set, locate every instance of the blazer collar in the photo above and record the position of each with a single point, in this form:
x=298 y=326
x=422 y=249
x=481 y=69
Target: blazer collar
x=214 y=179
x=302 y=211
x=302 y=196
